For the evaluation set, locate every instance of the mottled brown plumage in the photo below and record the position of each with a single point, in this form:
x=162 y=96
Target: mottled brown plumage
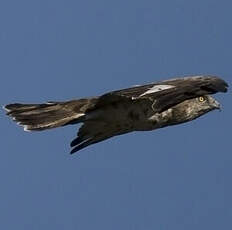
x=139 y=108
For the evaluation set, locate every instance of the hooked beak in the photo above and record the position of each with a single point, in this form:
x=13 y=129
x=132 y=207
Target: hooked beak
x=217 y=105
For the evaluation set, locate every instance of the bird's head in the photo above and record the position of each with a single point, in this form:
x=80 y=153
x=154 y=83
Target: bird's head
x=202 y=105
x=194 y=108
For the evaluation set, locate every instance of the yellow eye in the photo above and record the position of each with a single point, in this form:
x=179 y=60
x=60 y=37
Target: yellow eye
x=201 y=99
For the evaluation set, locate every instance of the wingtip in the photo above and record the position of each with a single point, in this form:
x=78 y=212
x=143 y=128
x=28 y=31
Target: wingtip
x=4 y=107
x=216 y=83
x=71 y=152
x=74 y=150
x=222 y=85
x=226 y=87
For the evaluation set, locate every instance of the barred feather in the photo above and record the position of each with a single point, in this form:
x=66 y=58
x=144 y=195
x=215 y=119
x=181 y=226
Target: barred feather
x=36 y=117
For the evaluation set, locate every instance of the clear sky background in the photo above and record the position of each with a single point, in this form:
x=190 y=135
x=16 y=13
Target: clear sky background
x=176 y=178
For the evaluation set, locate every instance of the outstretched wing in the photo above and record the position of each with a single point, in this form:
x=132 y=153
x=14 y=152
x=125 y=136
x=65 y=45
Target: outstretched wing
x=162 y=95
x=168 y=93
x=92 y=132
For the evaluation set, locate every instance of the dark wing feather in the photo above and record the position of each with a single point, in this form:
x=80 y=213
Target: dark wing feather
x=184 y=88
x=92 y=132
x=83 y=144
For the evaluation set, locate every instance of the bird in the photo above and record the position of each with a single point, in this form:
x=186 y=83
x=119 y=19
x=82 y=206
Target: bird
x=139 y=108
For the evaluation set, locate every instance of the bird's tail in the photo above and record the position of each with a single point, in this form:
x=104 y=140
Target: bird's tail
x=36 y=117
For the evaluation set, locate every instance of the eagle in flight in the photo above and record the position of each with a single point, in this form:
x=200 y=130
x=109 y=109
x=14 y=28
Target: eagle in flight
x=140 y=108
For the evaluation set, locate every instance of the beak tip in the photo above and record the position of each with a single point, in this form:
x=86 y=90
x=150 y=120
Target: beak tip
x=218 y=106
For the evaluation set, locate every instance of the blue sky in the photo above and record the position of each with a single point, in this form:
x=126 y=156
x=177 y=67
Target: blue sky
x=174 y=178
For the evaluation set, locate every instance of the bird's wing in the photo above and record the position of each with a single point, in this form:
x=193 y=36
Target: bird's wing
x=168 y=93
x=92 y=132
x=162 y=95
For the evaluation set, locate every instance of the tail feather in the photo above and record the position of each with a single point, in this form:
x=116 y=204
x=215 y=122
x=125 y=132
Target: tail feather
x=50 y=115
